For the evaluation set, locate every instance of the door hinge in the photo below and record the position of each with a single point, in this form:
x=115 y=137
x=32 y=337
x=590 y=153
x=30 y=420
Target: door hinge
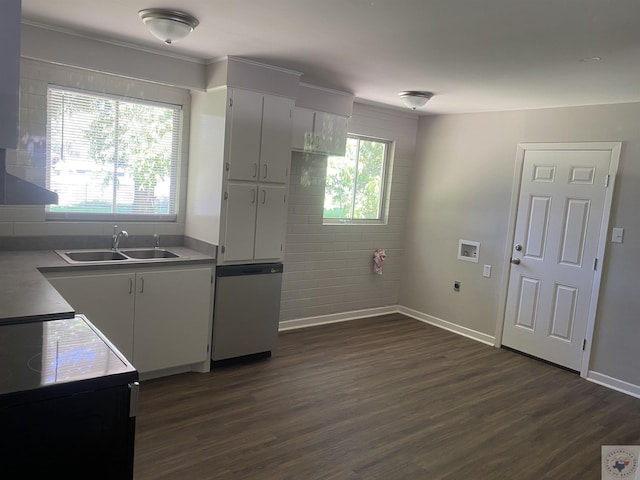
x=606 y=180
x=227 y=166
x=226 y=195
x=231 y=102
x=595 y=263
x=584 y=344
x=222 y=248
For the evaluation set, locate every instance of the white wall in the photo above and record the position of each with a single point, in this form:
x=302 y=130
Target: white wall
x=462 y=188
x=328 y=268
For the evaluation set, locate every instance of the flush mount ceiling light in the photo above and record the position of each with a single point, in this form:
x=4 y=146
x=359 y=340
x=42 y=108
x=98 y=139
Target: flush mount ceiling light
x=415 y=99
x=168 y=25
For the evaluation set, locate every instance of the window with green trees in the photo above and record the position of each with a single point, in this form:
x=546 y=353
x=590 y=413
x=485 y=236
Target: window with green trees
x=109 y=156
x=354 y=190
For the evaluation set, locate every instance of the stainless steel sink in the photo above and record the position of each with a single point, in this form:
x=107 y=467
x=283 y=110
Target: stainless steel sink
x=149 y=253
x=102 y=256
x=93 y=256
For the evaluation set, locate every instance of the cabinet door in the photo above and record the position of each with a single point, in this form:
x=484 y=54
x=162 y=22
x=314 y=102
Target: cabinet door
x=270 y=222
x=331 y=133
x=244 y=135
x=106 y=300
x=10 y=77
x=302 y=129
x=240 y=222
x=275 y=150
x=172 y=318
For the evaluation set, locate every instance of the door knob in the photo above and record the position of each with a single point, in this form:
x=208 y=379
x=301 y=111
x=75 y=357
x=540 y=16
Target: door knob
x=518 y=248
x=515 y=261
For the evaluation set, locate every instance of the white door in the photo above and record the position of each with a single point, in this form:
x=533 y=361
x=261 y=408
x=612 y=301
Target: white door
x=172 y=311
x=561 y=207
x=275 y=150
x=270 y=222
x=245 y=133
x=240 y=224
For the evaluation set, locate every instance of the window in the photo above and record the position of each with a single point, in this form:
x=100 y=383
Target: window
x=110 y=157
x=354 y=190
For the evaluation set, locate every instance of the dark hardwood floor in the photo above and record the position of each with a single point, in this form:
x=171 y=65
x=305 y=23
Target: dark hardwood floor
x=381 y=398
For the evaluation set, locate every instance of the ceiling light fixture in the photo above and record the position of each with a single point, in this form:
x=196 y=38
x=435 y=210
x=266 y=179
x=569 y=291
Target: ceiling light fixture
x=168 y=25
x=415 y=99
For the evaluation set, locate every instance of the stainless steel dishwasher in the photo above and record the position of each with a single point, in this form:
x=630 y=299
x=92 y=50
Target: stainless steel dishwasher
x=246 y=311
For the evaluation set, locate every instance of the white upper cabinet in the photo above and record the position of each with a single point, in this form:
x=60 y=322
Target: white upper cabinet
x=10 y=77
x=259 y=137
x=319 y=132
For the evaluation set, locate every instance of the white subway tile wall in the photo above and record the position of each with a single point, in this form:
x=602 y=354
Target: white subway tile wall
x=29 y=161
x=329 y=268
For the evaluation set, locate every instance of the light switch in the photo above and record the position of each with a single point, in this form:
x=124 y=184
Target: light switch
x=486 y=271
x=616 y=236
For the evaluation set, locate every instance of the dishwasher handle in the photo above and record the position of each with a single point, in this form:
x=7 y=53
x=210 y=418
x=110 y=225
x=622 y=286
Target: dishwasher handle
x=250 y=269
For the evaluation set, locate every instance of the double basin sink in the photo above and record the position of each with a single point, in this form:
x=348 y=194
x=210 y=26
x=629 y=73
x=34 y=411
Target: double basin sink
x=99 y=256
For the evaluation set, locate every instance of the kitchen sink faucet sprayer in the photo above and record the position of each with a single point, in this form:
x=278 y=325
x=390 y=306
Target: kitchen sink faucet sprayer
x=115 y=239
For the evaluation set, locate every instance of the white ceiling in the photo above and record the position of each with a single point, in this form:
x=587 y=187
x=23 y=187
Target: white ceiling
x=475 y=55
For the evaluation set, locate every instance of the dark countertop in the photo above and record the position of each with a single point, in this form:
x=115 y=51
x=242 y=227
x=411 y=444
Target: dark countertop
x=26 y=295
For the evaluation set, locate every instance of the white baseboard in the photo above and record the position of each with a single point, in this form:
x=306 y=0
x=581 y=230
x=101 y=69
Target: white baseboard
x=374 y=312
x=335 y=317
x=614 y=383
x=452 y=327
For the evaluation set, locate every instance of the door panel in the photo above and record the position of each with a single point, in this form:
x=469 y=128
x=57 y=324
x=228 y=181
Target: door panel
x=560 y=211
x=245 y=134
x=270 y=223
x=240 y=224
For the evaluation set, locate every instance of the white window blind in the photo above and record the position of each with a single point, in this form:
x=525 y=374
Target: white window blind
x=111 y=157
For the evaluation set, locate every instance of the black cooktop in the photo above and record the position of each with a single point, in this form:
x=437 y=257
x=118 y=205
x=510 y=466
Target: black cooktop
x=48 y=353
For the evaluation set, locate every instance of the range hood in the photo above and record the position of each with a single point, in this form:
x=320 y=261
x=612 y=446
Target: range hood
x=16 y=191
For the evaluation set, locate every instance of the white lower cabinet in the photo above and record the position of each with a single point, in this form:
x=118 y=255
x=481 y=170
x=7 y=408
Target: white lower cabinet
x=158 y=318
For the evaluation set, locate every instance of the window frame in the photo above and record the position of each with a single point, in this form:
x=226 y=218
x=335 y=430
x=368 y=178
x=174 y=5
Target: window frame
x=383 y=185
x=129 y=217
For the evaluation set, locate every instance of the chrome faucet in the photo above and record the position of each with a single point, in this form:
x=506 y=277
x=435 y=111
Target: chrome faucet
x=115 y=238
x=156 y=240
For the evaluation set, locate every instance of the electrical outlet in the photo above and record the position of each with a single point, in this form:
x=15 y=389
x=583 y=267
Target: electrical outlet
x=456 y=286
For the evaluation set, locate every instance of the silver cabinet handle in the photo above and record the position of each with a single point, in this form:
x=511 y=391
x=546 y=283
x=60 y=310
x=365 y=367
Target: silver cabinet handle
x=130 y=285
x=265 y=171
x=515 y=261
x=264 y=197
x=141 y=284
x=255 y=170
x=253 y=196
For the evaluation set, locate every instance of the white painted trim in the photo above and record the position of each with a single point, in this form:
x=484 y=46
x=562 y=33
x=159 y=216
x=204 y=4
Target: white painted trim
x=376 y=312
x=614 y=148
x=613 y=383
x=445 y=325
x=335 y=318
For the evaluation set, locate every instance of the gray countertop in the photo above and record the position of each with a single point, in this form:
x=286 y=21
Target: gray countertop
x=26 y=295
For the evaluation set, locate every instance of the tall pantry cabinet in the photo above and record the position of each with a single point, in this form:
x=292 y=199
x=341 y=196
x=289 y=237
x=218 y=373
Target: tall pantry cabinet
x=257 y=171
x=239 y=163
